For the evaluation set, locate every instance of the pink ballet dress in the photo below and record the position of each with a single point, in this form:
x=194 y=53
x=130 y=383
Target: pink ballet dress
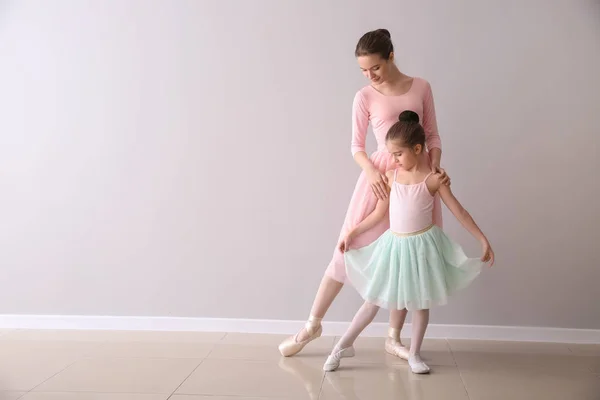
x=370 y=106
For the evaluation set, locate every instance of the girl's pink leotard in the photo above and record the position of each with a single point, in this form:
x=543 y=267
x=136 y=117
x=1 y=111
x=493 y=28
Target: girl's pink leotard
x=382 y=112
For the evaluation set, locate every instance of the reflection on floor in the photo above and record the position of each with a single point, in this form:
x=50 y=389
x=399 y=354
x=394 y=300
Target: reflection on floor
x=114 y=365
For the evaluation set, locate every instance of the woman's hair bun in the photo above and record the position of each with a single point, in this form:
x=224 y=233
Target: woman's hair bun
x=384 y=32
x=408 y=116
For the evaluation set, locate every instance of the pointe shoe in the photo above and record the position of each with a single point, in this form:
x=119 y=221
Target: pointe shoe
x=333 y=361
x=393 y=345
x=418 y=366
x=291 y=346
x=396 y=349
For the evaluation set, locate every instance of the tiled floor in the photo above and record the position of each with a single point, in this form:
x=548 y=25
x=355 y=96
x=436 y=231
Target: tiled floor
x=96 y=365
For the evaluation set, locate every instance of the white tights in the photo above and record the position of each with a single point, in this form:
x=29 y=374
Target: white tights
x=366 y=314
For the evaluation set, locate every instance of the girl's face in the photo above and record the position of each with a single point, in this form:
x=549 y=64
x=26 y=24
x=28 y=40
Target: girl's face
x=405 y=157
x=375 y=68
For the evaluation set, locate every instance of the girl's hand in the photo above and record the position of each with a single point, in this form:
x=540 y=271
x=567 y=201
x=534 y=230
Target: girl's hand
x=444 y=179
x=379 y=183
x=344 y=245
x=488 y=253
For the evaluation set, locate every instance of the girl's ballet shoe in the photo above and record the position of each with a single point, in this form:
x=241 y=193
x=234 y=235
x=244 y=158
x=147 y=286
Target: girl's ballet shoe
x=418 y=366
x=291 y=346
x=333 y=361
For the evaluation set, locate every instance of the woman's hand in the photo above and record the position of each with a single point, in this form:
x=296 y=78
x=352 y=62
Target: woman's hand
x=379 y=183
x=488 y=253
x=444 y=178
x=344 y=245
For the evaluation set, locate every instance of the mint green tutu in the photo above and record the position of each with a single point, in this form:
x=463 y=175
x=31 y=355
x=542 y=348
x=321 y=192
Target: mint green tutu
x=412 y=272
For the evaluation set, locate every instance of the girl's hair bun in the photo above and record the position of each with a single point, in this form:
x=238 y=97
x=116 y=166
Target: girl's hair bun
x=408 y=116
x=384 y=32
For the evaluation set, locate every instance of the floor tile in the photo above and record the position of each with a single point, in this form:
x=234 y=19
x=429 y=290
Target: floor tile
x=26 y=364
x=24 y=373
x=152 y=350
x=23 y=348
x=121 y=375
x=196 y=397
x=92 y=396
x=506 y=383
x=469 y=361
x=57 y=335
x=492 y=346
x=251 y=378
x=379 y=382
x=164 y=336
x=585 y=349
x=11 y=395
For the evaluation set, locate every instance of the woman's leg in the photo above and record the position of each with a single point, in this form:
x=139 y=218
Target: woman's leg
x=393 y=343
x=328 y=290
x=365 y=315
x=420 y=322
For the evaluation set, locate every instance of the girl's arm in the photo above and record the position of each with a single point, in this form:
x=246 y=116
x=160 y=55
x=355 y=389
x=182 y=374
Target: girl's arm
x=380 y=212
x=460 y=213
x=465 y=219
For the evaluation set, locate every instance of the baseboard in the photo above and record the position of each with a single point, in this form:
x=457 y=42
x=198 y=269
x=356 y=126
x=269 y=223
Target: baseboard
x=480 y=332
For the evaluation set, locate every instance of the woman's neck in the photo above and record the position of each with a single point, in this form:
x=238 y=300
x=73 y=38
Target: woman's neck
x=396 y=76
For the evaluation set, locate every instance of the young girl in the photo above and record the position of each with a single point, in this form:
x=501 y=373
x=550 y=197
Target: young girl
x=413 y=265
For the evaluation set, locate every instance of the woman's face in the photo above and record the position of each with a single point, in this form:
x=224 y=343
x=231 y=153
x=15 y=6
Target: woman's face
x=375 y=68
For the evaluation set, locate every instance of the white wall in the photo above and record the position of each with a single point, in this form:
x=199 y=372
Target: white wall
x=191 y=158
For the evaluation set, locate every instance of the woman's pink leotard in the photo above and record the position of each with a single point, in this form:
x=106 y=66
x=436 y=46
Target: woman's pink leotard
x=382 y=112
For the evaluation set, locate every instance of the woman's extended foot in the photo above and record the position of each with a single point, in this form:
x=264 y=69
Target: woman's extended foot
x=294 y=344
x=333 y=361
x=417 y=365
x=396 y=348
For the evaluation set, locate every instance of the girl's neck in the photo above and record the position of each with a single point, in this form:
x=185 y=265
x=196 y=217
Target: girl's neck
x=417 y=169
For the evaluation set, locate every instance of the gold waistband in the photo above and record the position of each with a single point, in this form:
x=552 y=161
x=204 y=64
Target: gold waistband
x=413 y=233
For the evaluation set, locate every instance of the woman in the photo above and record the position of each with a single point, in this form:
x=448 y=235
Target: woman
x=389 y=93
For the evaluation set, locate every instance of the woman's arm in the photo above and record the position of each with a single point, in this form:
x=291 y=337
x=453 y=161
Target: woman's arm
x=435 y=155
x=360 y=124
x=433 y=141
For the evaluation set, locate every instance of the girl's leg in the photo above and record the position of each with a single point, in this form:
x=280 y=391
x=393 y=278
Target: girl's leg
x=393 y=343
x=328 y=290
x=343 y=348
x=420 y=322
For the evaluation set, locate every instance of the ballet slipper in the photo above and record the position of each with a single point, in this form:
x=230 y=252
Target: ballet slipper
x=334 y=359
x=418 y=366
